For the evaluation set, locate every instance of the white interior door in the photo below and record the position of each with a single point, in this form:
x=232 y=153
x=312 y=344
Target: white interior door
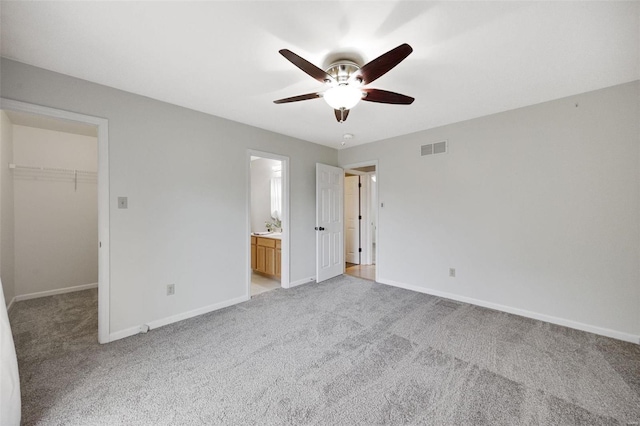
x=352 y=219
x=329 y=222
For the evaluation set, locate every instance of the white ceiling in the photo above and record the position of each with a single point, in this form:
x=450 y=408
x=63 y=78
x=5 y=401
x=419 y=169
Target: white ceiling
x=470 y=58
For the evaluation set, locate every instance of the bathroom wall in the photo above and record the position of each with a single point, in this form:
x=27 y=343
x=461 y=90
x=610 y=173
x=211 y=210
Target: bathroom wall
x=261 y=174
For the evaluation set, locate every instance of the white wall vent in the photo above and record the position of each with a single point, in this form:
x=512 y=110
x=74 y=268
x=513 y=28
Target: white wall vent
x=434 y=148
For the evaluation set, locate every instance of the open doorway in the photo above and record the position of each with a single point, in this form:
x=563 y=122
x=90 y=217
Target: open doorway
x=49 y=206
x=361 y=194
x=268 y=213
x=55 y=210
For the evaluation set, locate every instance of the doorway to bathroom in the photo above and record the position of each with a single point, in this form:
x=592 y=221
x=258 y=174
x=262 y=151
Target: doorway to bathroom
x=268 y=218
x=360 y=218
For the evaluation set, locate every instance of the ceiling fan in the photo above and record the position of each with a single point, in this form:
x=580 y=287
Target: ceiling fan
x=346 y=80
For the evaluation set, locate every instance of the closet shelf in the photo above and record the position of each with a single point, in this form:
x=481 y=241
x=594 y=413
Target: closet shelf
x=55 y=173
x=51 y=169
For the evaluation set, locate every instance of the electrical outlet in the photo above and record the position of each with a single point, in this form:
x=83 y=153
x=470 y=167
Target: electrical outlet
x=171 y=289
x=452 y=272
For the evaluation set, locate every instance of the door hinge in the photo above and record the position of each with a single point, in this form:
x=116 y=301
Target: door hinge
x=359 y=217
x=359 y=250
x=359 y=185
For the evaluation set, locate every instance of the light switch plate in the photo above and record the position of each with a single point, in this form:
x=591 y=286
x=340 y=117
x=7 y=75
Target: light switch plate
x=122 y=202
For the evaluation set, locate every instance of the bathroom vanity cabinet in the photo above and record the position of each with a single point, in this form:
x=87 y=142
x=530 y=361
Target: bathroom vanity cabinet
x=266 y=254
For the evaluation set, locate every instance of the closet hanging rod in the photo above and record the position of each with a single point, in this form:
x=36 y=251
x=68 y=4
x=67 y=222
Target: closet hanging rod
x=49 y=169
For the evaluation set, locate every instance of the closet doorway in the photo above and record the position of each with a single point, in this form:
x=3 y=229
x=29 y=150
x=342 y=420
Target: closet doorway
x=54 y=208
x=268 y=222
x=361 y=219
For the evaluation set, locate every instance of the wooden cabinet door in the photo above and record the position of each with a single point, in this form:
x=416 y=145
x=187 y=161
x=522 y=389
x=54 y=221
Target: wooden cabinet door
x=278 y=262
x=261 y=264
x=270 y=261
x=253 y=256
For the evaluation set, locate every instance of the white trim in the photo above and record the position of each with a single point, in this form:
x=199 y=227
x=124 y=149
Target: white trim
x=377 y=233
x=286 y=227
x=521 y=312
x=104 y=279
x=175 y=318
x=131 y=331
x=46 y=293
x=366 y=244
x=196 y=312
x=302 y=281
x=10 y=305
x=365 y=222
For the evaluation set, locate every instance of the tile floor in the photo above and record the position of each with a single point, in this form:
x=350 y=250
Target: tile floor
x=260 y=284
x=367 y=272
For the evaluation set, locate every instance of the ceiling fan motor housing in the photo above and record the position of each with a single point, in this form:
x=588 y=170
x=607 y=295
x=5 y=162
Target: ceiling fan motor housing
x=342 y=70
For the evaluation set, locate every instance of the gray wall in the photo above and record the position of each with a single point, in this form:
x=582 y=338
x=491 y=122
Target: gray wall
x=185 y=174
x=536 y=208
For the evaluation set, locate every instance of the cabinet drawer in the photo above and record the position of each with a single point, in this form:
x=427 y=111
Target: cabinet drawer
x=278 y=244
x=253 y=240
x=266 y=242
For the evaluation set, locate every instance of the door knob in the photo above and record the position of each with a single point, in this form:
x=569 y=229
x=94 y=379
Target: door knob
x=319 y=228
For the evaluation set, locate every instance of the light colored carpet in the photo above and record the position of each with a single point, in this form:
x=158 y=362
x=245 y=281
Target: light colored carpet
x=347 y=351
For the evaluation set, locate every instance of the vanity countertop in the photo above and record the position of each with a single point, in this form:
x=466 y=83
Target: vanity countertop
x=272 y=235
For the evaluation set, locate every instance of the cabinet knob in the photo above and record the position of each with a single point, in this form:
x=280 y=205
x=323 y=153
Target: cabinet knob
x=319 y=228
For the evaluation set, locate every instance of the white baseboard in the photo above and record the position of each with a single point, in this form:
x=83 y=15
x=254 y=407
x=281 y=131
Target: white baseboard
x=175 y=318
x=521 y=312
x=38 y=294
x=302 y=281
x=131 y=331
x=10 y=305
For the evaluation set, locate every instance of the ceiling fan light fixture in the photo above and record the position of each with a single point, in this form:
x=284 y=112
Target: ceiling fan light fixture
x=343 y=96
x=346 y=80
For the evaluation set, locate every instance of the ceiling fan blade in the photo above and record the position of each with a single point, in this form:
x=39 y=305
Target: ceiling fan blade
x=297 y=98
x=306 y=66
x=341 y=114
x=382 y=64
x=385 y=97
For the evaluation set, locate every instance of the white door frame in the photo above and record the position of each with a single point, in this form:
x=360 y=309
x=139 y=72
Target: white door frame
x=286 y=228
x=103 y=198
x=350 y=201
x=364 y=228
x=350 y=167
